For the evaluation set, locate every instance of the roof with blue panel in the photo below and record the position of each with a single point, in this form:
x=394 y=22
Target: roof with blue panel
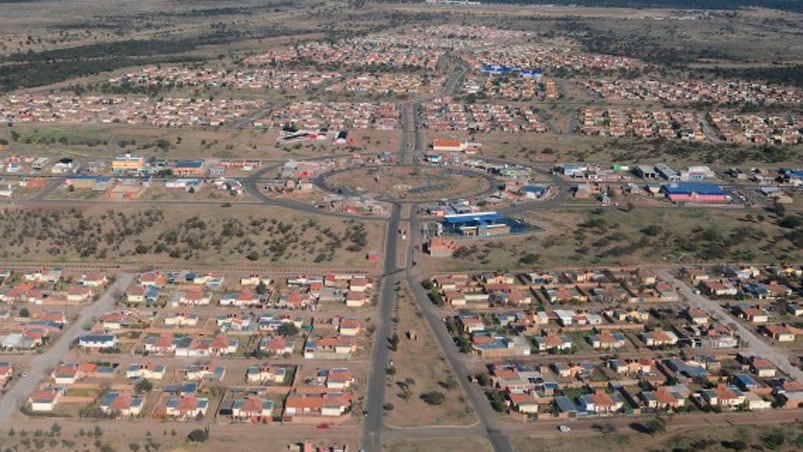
x=701 y=188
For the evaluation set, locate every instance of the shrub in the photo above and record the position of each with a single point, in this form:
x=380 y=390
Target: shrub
x=773 y=439
x=654 y=426
x=735 y=445
x=433 y=398
x=198 y=436
x=529 y=259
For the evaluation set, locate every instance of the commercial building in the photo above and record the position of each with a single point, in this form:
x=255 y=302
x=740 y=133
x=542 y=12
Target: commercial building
x=482 y=224
x=698 y=192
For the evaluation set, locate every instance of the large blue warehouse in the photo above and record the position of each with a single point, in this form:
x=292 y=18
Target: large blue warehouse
x=694 y=192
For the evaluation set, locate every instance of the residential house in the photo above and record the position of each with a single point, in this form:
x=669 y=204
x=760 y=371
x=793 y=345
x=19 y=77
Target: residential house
x=333 y=404
x=724 y=396
x=147 y=371
x=121 y=404
x=277 y=345
x=553 y=342
x=659 y=338
x=252 y=409
x=187 y=407
x=607 y=341
x=762 y=367
x=781 y=333
x=267 y=374
x=663 y=399
x=96 y=342
x=45 y=400
x=600 y=403
x=753 y=314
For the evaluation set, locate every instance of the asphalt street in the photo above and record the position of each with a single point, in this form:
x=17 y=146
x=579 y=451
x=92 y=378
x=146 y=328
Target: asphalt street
x=375 y=397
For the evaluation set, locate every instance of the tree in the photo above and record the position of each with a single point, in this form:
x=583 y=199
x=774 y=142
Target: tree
x=134 y=447
x=654 y=426
x=143 y=385
x=24 y=312
x=262 y=288
x=773 y=439
x=433 y=398
x=779 y=209
x=288 y=329
x=735 y=444
x=605 y=428
x=198 y=436
x=790 y=222
x=394 y=342
x=484 y=379
x=529 y=259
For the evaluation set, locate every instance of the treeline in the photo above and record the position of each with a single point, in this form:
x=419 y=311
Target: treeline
x=25 y=70
x=41 y=73
x=787 y=5
x=782 y=75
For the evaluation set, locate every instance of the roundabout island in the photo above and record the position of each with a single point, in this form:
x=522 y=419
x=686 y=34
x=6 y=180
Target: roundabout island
x=407 y=183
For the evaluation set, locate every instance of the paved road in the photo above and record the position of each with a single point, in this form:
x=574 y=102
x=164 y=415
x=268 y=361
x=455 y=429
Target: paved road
x=407 y=115
x=760 y=348
x=708 y=129
x=456 y=78
x=375 y=397
x=18 y=393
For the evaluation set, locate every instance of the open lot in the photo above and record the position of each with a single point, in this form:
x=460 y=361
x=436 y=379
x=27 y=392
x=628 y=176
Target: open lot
x=419 y=370
x=709 y=438
x=570 y=147
x=586 y=236
x=437 y=445
x=201 y=234
x=120 y=435
x=88 y=141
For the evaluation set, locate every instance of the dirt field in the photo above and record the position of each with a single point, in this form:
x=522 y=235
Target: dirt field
x=201 y=234
x=90 y=141
x=570 y=147
x=467 y=444
x=419 y=370
x=573 y=237
x=409 y=183
x=167 y=436
x=713 y=439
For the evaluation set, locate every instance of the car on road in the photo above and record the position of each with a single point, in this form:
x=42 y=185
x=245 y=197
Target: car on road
x=564 y=428
x=323 y=426
x=24 y=374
